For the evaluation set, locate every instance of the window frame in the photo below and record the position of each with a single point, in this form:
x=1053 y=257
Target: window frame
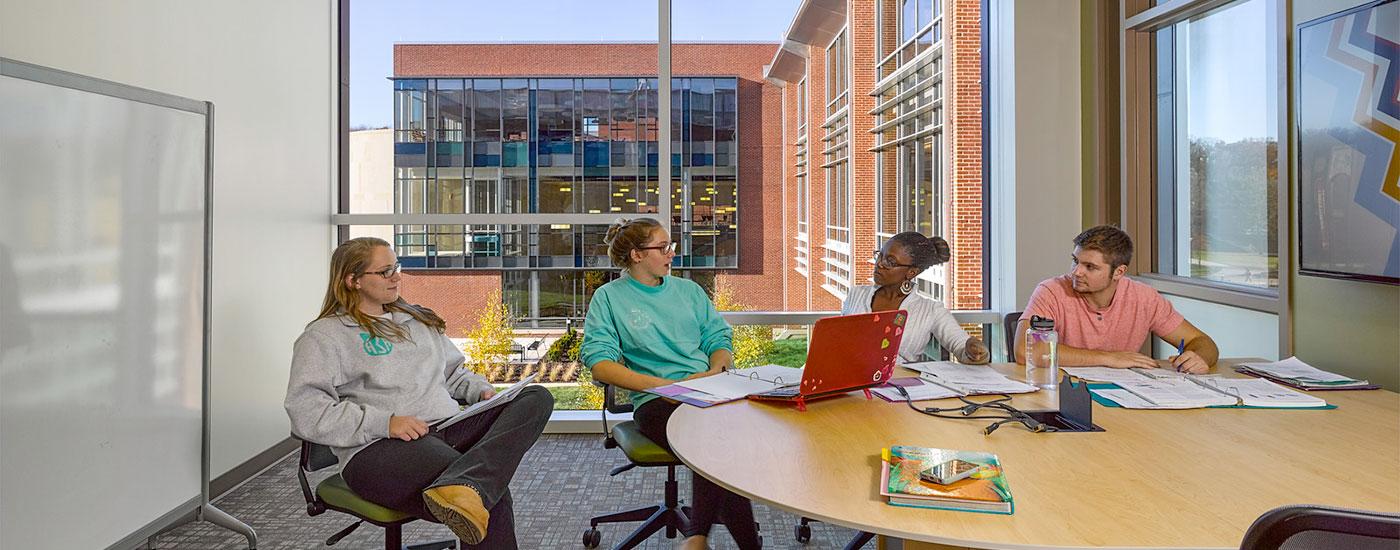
x=1139 y=21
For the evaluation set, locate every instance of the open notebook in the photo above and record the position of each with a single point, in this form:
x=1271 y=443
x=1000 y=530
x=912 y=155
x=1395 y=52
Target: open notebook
x=1164 y=389
x=730 y=385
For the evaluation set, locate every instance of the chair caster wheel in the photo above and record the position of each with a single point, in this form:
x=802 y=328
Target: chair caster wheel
x=803 y=533
x=591 y=538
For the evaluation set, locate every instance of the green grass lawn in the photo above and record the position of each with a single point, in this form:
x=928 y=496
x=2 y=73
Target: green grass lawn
x=788 y=353
x=566 y=398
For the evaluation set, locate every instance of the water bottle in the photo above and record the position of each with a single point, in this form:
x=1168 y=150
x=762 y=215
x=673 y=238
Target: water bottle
x=1042 y=364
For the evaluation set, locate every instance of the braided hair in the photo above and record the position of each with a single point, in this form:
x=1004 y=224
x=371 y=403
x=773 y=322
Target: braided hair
x=926 y=251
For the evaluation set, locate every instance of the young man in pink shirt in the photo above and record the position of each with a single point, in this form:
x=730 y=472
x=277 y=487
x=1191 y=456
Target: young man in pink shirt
x=1104 y=318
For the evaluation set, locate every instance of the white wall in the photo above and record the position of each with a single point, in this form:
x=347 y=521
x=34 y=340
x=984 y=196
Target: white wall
x=1036 y=159
x=267 y=66
x=1238 y=332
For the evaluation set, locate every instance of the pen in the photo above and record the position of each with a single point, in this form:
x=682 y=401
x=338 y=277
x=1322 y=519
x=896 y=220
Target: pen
x=1180 y=349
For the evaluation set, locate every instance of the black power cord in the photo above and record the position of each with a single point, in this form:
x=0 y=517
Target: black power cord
x=1001 y=403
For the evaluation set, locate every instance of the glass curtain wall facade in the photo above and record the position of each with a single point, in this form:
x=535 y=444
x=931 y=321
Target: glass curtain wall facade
x=560 y=146
x=909 y=126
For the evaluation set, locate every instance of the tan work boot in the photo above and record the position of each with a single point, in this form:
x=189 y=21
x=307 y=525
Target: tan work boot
x=461 y=509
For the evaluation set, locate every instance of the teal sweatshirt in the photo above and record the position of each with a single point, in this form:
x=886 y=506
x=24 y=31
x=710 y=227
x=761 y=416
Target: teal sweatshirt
x=667 y=331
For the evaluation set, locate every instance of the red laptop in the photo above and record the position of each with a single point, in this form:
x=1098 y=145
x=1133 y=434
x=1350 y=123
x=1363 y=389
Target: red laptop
x=846 y=353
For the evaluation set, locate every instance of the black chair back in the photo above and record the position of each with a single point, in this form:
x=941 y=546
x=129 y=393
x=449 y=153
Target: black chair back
x=1009 y=323
x=315 y=456
x=1306 y=526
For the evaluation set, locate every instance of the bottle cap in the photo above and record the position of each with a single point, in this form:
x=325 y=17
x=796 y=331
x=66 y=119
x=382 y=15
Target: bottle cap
x=1042 y=323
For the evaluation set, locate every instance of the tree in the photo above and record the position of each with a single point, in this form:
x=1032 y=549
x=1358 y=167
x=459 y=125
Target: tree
x=489 y=342
x=752 y=343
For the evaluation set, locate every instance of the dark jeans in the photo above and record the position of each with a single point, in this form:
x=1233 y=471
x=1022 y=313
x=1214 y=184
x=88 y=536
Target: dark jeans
x=481 y=452
x=710 y=503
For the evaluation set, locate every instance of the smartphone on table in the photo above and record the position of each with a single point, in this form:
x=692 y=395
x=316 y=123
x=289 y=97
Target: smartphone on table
x=949 y=472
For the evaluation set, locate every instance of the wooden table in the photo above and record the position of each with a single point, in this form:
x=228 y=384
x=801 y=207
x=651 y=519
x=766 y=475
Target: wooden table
x=1155 y=479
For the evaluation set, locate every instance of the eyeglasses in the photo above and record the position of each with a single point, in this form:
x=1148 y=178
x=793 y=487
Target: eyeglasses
x=668 y=248
x=386 y=272
x=888 y=262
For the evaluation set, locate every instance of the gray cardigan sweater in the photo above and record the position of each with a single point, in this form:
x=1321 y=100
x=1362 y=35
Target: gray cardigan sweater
x=345 y=385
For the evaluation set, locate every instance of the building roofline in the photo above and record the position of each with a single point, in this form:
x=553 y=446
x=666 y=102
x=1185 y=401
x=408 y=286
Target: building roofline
x=815 y=24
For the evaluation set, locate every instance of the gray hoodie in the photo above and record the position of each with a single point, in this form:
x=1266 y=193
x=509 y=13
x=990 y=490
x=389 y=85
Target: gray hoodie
x=345 y=385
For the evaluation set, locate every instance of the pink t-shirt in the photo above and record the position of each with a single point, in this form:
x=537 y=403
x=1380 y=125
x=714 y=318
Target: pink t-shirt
x=1137 y=309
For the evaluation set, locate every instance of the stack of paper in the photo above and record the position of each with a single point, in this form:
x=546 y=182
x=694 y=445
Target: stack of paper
x=968 y=379
x=1294 y=372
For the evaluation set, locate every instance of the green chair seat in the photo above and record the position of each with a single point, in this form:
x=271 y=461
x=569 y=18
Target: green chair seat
x=336 y=494
x=638 y=448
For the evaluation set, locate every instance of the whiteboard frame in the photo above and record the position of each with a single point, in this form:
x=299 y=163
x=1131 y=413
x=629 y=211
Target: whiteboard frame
x=197 y=508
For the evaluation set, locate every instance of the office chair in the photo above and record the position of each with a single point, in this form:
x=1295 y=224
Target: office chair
x=333 y=494
x=1306 y=526
x=1009 y=322
x=642 y=452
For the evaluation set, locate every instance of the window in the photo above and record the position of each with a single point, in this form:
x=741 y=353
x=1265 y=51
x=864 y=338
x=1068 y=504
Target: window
x=910 y=132
x=918 y=26
x=1216 y=138
x=586 y=144
x=836 y=169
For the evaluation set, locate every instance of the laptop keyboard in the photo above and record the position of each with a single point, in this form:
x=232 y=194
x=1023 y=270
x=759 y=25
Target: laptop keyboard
x=790 y=391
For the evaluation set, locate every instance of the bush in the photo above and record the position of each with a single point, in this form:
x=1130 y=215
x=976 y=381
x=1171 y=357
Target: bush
x=752 y=343
x=489 y=342
x=565 y=348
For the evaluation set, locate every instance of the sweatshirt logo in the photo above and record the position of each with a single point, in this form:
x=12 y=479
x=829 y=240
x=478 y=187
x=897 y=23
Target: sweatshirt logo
x=376 y=346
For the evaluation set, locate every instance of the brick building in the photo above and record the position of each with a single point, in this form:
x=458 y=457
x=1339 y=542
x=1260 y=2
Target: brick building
x=570 y=129
x=791 y=163
x=883 y=134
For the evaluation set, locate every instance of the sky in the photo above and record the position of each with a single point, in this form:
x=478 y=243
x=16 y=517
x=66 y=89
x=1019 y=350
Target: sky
x=376 y=25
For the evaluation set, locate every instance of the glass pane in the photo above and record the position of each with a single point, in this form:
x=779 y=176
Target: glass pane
x=1218 y=139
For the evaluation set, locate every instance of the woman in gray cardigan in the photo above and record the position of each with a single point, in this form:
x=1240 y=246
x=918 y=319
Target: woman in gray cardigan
x=373 y=372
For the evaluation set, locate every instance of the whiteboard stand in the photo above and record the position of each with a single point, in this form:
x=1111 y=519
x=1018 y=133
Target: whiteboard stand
x=98 y=96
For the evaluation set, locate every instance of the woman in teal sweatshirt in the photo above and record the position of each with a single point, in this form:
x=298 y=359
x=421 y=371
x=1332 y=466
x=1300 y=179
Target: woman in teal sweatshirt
x=667 y=329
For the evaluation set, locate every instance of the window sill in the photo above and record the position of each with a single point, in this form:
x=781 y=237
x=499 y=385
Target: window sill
x=1257 y=299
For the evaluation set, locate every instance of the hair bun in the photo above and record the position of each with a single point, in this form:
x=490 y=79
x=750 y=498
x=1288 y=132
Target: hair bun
x=941 y=251
x=614 y=229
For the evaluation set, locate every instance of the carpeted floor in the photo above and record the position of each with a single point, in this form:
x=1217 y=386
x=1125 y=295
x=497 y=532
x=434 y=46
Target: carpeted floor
x=562 y=482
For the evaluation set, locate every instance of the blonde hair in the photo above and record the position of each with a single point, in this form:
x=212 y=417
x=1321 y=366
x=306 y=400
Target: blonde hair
x=352 y=258
x=625 y=235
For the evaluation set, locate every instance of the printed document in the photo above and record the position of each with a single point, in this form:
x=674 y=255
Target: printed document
x=1293 y=368
x=968 y=379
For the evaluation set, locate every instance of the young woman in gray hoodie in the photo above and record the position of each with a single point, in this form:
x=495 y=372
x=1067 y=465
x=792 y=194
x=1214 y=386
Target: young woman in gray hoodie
x=373 y=372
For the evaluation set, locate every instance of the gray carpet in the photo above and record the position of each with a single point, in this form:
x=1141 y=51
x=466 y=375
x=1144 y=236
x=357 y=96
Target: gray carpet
x=562 y=482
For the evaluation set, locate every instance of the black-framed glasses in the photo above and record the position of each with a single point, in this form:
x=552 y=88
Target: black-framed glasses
x=888 y=262
x=668 y=248
x=387 y=272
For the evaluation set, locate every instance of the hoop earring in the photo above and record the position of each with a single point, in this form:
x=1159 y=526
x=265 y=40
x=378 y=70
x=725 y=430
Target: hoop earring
x=906 y=287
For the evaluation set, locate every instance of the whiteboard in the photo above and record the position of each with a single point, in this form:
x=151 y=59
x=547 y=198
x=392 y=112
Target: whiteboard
x=103 y=239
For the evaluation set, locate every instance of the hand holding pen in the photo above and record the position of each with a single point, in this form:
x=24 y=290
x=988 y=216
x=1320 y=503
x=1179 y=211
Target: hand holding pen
x=1187 y=361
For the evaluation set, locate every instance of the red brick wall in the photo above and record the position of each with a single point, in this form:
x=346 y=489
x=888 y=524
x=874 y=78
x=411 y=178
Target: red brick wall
x=963 y=66
x=455 y=295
